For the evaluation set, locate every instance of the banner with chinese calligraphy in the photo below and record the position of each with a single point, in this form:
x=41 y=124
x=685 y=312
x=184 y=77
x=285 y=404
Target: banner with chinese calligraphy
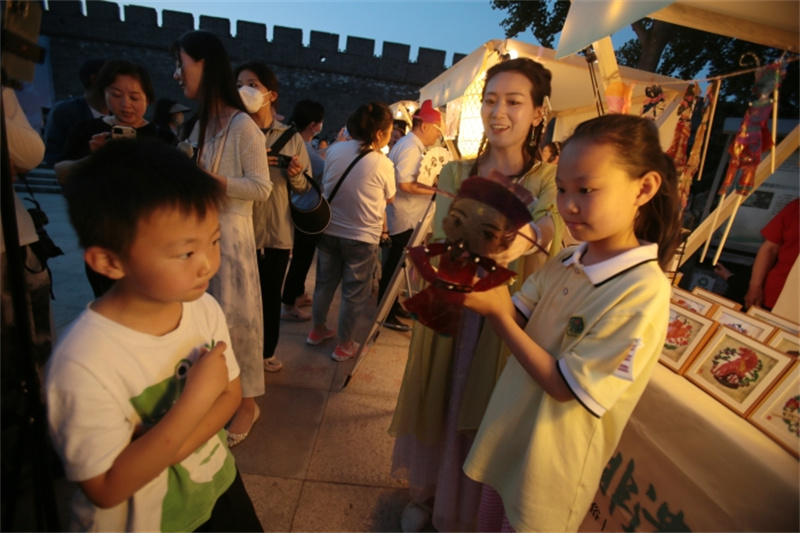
x=687 y=463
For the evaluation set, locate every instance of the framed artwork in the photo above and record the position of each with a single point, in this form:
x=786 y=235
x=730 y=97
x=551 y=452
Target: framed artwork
x=771 y=318
x=692 y=302
x=687 y=333
x=786 y=342
x=778 y=415
x=716 y=298
x=749 y=325
x=736 y=369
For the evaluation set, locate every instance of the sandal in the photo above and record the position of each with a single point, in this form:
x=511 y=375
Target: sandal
x=237 y=438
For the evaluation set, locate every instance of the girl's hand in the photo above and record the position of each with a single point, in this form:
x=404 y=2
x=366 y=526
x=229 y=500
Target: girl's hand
x=98 y=140
x=487 y=303
x=294 y=167
x=272 y=159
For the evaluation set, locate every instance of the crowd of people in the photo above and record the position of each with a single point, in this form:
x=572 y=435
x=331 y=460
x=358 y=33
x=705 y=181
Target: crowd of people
x=194 y=261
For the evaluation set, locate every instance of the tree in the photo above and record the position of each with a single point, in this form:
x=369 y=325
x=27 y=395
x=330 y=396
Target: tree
x=664 y=48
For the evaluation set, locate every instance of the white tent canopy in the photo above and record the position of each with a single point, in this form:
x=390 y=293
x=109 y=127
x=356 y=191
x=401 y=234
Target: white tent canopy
x=573 y=97
x=771 y=23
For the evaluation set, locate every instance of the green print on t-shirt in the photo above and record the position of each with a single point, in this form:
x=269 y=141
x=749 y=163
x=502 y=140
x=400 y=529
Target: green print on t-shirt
x=195 y=483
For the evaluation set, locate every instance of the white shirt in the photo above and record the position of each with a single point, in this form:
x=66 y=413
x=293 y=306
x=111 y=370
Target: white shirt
x=407 y=209
x=358 y=208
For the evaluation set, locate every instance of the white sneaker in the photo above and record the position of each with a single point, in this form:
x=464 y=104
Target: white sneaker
x=272 y=364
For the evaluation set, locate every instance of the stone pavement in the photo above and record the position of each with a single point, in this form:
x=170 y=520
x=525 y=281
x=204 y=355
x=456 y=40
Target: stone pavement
x=319 y=457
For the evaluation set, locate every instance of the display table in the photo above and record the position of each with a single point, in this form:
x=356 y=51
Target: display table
x=687 y=463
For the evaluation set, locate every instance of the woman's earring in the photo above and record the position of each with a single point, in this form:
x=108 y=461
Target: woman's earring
x=532 y=140
x=546 y=109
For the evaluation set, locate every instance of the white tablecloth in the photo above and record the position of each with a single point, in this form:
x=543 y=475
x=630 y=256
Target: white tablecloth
x=687 y=462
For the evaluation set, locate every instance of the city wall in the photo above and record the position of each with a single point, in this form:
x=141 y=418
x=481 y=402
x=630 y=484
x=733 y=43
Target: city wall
x=340 y=79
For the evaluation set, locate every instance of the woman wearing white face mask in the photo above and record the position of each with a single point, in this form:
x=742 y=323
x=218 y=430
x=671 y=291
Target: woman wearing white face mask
x=231 y=148
x=272 y=220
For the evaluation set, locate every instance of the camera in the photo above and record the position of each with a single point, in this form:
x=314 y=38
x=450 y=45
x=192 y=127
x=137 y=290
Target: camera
x=44 y=248
x=283 y=161
x=123 y=132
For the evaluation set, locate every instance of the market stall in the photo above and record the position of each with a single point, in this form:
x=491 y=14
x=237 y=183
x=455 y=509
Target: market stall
x=685 y=461
x=772 y=23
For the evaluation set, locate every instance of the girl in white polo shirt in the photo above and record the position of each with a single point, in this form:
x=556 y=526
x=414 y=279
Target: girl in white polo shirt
x=585 y=331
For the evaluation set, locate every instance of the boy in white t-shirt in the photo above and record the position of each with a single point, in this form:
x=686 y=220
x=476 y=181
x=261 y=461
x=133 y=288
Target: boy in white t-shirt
x=141 y=386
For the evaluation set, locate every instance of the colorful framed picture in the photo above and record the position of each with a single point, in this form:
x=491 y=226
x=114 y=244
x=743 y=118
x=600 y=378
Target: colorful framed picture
x=692 y=302
x=736 y=369
x=771 y=318
x=778 y=415
x=716 y=298
x=749 y=325
x=786 y=342
x=687 y=333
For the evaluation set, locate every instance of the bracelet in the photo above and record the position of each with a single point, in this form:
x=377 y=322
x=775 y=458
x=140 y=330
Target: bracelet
x=384 y=233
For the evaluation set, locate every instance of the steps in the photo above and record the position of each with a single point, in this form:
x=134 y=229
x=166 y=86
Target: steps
x=40 y=180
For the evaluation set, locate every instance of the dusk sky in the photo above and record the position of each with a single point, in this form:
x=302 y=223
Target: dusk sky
x=454 y=26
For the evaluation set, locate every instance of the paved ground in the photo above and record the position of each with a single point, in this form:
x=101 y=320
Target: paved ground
x=319 y=457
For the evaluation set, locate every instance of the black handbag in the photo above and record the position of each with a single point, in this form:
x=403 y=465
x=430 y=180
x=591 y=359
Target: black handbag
x=310 y=211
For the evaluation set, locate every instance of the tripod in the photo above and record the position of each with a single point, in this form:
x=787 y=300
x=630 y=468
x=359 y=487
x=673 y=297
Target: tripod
x=393 y=289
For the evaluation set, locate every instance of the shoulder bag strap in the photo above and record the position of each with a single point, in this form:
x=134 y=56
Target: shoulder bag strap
x=346 y=172
x=281 y=141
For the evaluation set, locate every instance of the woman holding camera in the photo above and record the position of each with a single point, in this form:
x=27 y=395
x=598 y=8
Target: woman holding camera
x=272 y=220
x=127 y=90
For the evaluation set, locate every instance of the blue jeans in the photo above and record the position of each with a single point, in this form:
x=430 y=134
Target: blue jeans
x=351 y=263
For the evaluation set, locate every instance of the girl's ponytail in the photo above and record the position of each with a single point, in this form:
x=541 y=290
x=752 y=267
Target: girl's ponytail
x=367 y=121
x=659 y=220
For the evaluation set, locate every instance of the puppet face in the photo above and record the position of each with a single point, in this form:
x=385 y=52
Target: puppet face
x=483 y=229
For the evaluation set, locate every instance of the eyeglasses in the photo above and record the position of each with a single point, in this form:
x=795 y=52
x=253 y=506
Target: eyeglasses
x=439 y=129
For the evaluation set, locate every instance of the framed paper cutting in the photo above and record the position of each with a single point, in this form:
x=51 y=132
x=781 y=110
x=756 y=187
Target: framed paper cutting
x=690 y=301
x=716 y=298
x=786 y=342
x=749 y=325
x=771 y=318
x=736 y=369
x=778 y=415
x=687 y=333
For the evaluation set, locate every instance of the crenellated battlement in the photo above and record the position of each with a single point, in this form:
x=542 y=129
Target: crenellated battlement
x=341 y=79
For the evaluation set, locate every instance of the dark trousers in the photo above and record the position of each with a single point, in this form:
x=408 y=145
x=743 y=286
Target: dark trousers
x=233 y=511
x=399 y=243
x=302 y=257
x=272 y=263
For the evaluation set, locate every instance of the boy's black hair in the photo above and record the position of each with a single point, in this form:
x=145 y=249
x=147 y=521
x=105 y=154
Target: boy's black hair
x=127 y=180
